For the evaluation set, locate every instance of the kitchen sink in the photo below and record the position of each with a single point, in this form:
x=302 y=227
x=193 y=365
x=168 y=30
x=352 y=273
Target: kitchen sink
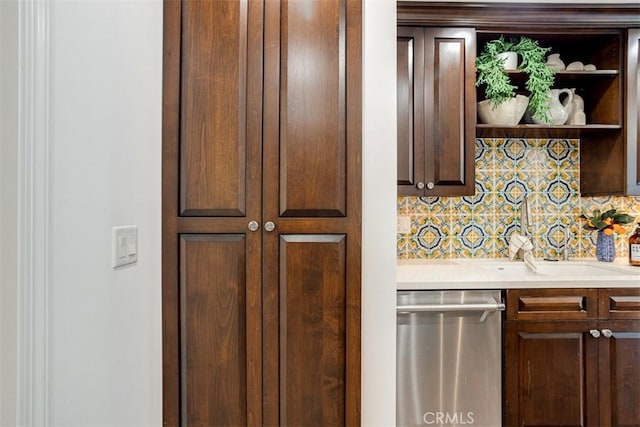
x=551 y=268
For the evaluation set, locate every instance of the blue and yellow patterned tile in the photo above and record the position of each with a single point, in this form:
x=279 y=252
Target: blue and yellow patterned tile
x=501 y=246
x=509 y=202
x=535 y=159
x=513 y=153
x=598 y=202
x=403 y=246
x=443 y=205
x=504 y=225
x=423 y=206
x=571 y=162
x=486 y=180
x=432 y=239
x=484 y=155
x=411 y=206
x=571 y=208
x=415 y=251
x=558 y=192
x=402 y=205
x=497 y=143
x=470 y=243
x=503 y=206
x=537 y=143
x=555 y=238
x=559 y=149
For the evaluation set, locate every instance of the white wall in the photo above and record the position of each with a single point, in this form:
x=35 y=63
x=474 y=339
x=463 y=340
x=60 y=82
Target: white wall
x=379 y=214
x=104 y=324
x=8 y=209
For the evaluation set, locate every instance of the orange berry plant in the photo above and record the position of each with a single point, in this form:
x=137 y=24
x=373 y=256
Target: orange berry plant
x=608 y=222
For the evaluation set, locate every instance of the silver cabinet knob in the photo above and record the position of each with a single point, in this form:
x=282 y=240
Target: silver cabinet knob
x=269 y=226
x=253 y=226
x=607 y=333
x=595 y=333
x=420 y=185
x=430 y=185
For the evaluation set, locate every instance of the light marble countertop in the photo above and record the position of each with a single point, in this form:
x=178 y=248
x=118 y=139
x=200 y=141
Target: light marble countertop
x=505 y=274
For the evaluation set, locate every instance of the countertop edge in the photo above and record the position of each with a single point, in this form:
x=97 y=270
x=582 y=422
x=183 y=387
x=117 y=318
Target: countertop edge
x=460 y=274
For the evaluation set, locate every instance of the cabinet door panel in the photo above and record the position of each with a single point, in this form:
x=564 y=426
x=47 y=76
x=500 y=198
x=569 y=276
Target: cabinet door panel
x=310 y=351
x=633 y=113
x=218 y=75
x=551 y=374
x=214 y=379
x=620 y=373
x=306 y=112
x=450 y=110
x=410 y=64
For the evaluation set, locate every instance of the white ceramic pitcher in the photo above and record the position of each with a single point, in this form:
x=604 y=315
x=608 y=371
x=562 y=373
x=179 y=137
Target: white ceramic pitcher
x=558 y=112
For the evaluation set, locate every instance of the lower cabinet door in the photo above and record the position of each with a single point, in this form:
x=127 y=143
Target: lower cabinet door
x=550 y=374
x=311 y=352
x=619 y=349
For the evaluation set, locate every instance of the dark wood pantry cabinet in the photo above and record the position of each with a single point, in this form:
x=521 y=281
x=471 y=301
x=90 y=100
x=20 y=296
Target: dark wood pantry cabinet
x=261 y=212
x=572 y=357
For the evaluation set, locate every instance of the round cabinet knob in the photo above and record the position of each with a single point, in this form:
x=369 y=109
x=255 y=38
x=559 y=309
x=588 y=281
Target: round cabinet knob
x=420 y=185
x=253 y=226
x=595 y=333
x=269 y=226
x=430 y=185
x=607 y=333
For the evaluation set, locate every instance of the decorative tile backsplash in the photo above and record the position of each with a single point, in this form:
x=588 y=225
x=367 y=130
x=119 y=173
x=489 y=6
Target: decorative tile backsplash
x=547 y=171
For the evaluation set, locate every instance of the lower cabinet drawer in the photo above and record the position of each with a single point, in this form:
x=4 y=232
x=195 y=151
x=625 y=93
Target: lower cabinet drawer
x=552 y=304
x=619 y=303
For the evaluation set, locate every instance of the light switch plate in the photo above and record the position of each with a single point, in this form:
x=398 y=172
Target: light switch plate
x=404 y=224
x=124 y=244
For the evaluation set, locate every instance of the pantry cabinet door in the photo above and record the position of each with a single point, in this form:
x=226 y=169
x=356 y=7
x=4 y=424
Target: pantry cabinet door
x=211 y=191
x=308 y=370
x=220 y=104
x=311 y=212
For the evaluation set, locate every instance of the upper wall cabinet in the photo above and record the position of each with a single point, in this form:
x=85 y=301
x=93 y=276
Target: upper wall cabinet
x=602 y=35
x=436 y=111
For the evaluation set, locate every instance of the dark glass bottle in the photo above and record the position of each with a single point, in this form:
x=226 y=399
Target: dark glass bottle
x=634 y=247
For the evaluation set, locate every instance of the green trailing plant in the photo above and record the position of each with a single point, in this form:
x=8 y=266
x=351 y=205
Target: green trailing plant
x=491 y=72
x=498 y=87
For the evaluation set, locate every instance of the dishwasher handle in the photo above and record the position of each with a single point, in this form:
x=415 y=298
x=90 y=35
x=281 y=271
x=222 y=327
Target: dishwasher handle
x=485 y=308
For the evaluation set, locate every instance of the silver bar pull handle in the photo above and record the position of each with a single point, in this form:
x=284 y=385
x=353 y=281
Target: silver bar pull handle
x=441 y=308
x=485 y=308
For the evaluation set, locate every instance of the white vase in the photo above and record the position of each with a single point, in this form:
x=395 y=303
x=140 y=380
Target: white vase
x=507 y=113
x=510 y=60
x=577 y=116
x=554 y=61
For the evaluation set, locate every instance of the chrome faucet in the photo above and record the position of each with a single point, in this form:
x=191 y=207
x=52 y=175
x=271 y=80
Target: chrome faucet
x=565 y=247
x=525 y=217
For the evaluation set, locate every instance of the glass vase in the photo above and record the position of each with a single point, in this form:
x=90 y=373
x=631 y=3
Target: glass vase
x=605 y=247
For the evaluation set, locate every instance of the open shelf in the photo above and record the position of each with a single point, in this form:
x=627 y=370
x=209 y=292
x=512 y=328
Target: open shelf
x=542 y=131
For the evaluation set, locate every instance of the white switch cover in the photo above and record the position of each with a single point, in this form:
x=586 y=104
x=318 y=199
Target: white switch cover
x=125 y=245
x=404 y=224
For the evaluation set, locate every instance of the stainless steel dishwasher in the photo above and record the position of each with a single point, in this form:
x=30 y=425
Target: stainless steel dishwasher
x=449 y=358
